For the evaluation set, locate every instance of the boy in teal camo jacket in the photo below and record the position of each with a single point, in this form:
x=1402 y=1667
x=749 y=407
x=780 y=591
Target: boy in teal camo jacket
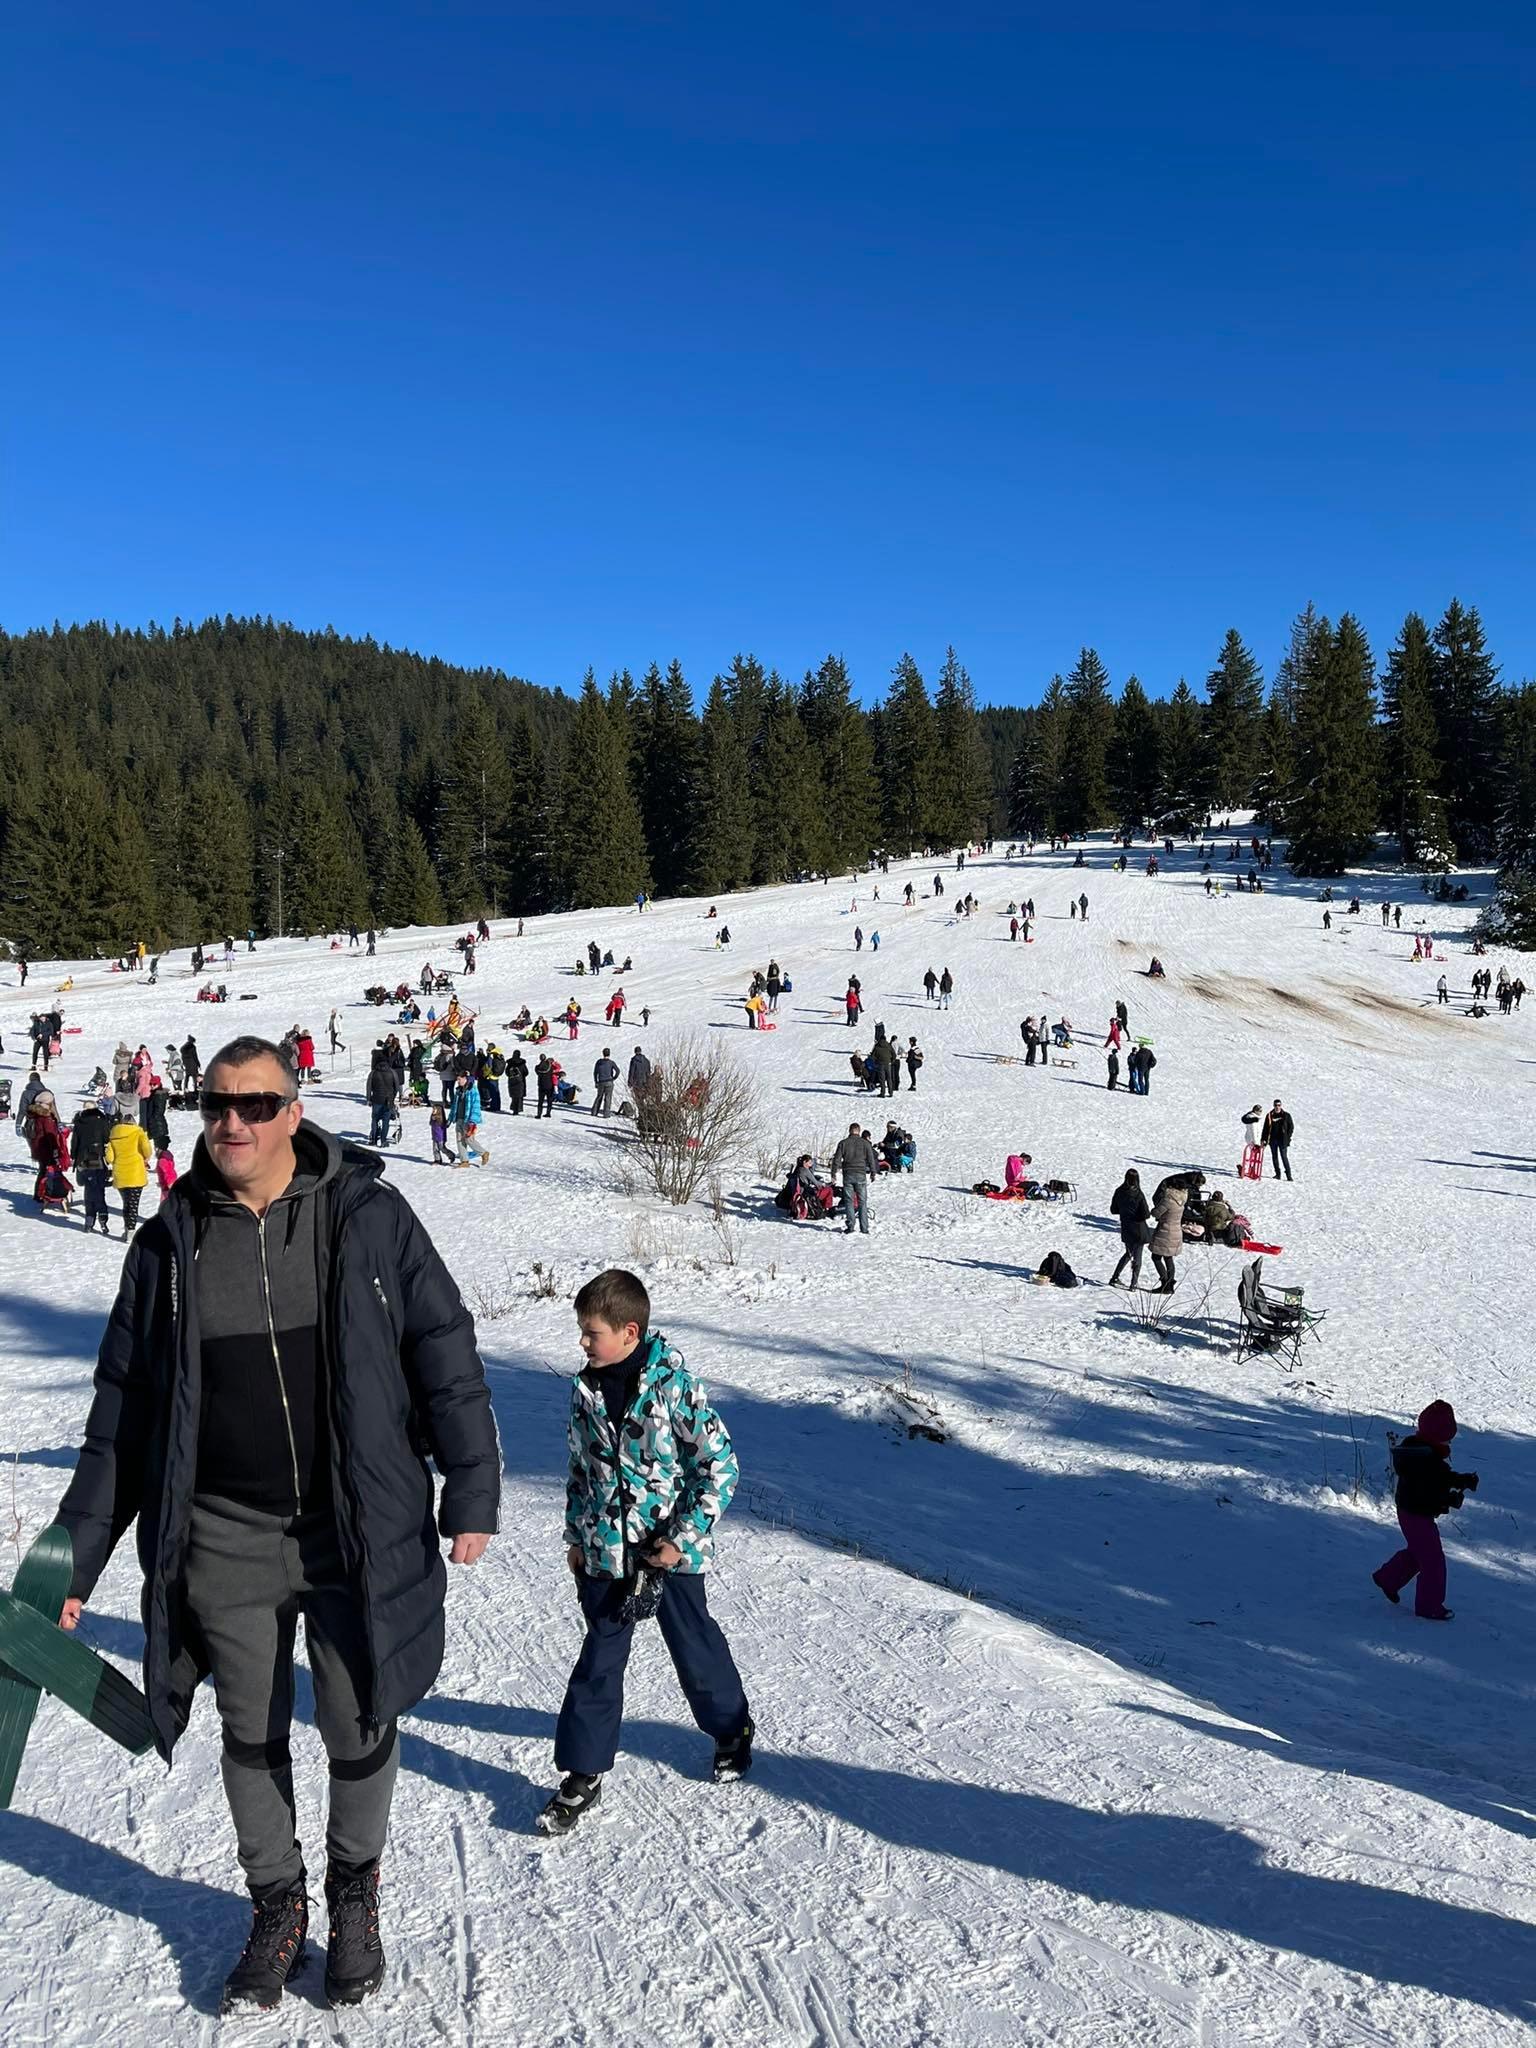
x=651 y=1472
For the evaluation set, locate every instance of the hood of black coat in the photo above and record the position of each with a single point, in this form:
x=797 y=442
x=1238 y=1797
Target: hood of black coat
x=320 y=1158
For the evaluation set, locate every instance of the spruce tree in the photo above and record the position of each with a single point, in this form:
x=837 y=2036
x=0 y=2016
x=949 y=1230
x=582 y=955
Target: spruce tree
x=53 y=878
x=325 y=880
x=1412 y=806
x=599 y=847
x=1510 y=920
x=1277 y=766
x=668 y=750
x=786 y=794
x=526 y=853
x=720 y=853
x=907 y=768
x=1134 y=762
x=842 y=742
x=473 y=815
x=1333 y=816
x=216 y=859
x=128 y=882
x=1466 y=705
x=410 y=895
x=1083 y=800
x=1234 y=692
x=960 y=803
x=1183 y=796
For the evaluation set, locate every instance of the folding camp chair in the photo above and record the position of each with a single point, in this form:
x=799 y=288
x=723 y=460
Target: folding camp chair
x=1274 y=1327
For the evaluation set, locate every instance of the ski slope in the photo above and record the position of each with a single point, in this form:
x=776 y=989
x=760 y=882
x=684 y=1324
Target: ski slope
x=1085 y=1726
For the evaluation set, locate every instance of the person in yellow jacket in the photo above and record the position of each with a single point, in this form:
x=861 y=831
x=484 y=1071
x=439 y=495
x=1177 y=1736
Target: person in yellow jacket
x=128 y=1153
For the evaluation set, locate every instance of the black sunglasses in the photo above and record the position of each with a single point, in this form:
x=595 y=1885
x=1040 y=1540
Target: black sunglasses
x=250 y=1109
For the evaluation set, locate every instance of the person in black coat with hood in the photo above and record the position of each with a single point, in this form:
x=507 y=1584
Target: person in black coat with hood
x=285 y=1352
x=517 y=1082
x=1129 y=1204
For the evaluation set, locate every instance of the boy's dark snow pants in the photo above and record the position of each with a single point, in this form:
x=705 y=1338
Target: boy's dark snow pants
x=587 y=1733
x=1424 y=1556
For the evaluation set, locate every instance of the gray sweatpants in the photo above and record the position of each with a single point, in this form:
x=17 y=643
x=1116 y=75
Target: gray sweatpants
x=249 y=1576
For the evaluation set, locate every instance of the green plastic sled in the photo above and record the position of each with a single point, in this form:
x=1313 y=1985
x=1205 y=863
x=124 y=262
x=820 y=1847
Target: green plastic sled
x=36 y=1656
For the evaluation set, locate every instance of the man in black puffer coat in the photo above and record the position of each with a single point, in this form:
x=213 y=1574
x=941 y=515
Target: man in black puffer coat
x=285 y=1352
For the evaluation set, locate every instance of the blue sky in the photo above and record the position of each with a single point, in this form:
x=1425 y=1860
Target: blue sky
x=542 y=336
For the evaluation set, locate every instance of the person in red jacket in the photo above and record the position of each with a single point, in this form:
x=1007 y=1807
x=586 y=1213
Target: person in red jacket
x=1426 y=1488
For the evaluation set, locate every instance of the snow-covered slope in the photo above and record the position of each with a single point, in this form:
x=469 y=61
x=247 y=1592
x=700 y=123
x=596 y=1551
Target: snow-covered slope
x=1084 y=1726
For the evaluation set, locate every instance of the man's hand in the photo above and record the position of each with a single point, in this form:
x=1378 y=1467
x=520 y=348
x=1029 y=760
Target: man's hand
x=573 y=1559
x=664 y=1555
x=468 y=1549
x=71 y=1614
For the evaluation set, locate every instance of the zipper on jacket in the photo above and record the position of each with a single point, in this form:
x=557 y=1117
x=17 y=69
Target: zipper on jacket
x=277 y=1362
x=378 y=1288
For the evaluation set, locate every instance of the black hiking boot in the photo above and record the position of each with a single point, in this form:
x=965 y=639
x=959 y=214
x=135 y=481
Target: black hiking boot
x=578 y=1794
x=274 y=1949
x=733 y=1758
x=354 y=1955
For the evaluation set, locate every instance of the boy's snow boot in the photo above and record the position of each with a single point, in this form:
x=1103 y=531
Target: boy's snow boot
x=1393 y=1597
x=733 y=1758
x=354 y=1955
x=1445 y=1614
x=578 y=1794
x=274 y=1948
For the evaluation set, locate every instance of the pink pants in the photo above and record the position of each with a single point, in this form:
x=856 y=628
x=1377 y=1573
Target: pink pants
x=1424 y=1556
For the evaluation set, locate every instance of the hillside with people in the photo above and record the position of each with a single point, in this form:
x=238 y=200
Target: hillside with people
x=1057 y=1260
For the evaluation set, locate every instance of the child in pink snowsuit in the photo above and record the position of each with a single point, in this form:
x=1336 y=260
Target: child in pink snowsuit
x=1426 y=1488
x=165 y=1172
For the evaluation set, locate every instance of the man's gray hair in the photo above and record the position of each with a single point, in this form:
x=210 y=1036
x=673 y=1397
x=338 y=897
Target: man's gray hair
x=241 y=1051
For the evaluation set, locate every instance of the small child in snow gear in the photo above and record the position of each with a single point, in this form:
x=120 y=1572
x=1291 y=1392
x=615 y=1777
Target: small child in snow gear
x=442 y=1151
x=165 y=1170
x=651 y=1472
x=1426 y=1488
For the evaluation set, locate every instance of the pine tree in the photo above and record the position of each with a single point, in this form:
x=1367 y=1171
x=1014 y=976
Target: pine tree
x=526 y=852
x=325 y=880
x=1234 y=692
x=128 y=876
x=53 y=878
x=720 y=853
x=1290 y=675
x=411 y=895
x=1333 y=816
x=1273 y=790
x=379 y=821
x=1412 y=805
x=1134 y=762
x=216 y=859
x=599 y=846
x=1083 y=801
x=843 y=744
x=961 y=796
x=473 y=815
x=1466 y=706
x=907 y=769
x=1183 y=796
x=1515 y=843
x=786 y=796
x=668 y=750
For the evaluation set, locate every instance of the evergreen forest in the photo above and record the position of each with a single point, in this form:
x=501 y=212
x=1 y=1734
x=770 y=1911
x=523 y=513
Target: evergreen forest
x=175 y=785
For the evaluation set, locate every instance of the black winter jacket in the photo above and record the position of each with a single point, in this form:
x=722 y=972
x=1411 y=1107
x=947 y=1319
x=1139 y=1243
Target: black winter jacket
x=1130 y=1205
x=403 y=1379
x=1426 y=1485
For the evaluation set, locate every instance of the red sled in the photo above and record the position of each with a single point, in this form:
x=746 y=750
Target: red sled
x=1270 y=1251
x=1251 y=1166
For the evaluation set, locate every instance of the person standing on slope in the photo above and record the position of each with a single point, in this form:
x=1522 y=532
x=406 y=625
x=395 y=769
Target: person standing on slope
x=854 y=1159
x=286 y=1350
x=1129 y=1204
x=1277 y=1134
x=651 y=1472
